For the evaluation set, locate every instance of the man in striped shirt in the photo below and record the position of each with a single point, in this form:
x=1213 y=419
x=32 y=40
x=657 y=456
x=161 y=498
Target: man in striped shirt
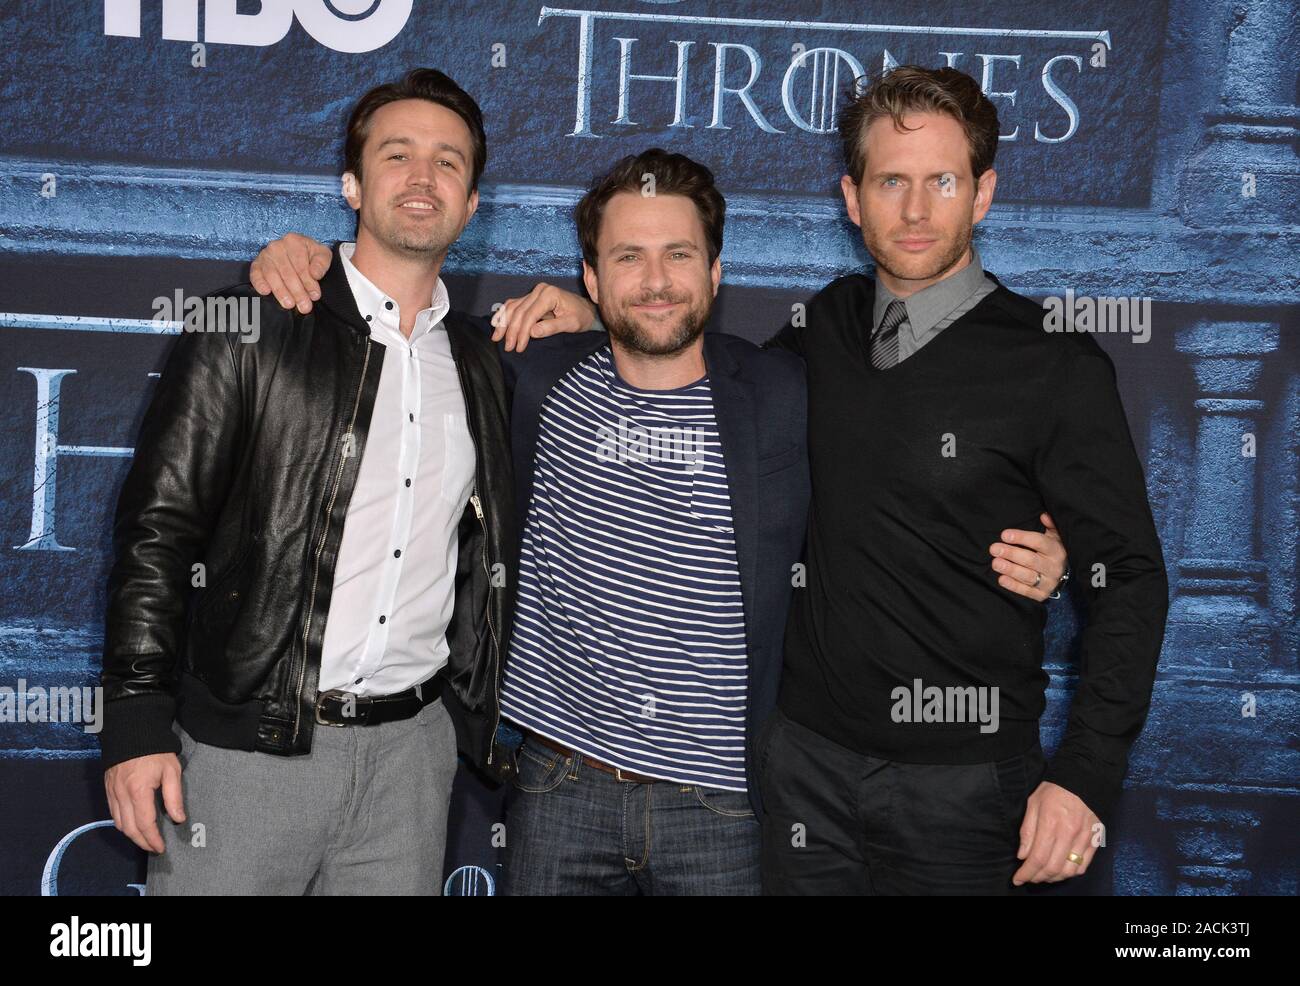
x=633 y=670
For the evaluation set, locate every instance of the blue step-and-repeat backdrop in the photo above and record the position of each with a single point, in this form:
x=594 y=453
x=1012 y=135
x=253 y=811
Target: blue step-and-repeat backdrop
x=1148 y=151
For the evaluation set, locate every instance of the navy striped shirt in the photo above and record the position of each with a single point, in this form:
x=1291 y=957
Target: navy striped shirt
x=629 y=638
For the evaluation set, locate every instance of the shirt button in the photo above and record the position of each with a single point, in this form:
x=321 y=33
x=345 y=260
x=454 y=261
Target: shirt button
x=412 y=417
x=397 y=553
x=383 y=619
x=358 y=681
x=369 y=317
x=388 y=305
x=408 y=482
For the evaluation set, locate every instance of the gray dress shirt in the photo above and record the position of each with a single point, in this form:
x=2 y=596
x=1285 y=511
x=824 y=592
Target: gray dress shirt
x=933 y=309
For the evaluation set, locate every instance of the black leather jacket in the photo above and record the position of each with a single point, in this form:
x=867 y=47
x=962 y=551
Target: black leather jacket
x=246 y=462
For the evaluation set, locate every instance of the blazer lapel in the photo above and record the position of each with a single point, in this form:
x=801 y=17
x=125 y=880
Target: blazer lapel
x=734 y=408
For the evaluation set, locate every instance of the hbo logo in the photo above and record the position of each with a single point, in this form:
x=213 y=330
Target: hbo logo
x=344 y=25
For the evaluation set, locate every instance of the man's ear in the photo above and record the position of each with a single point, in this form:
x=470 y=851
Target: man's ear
x=849 y=188
x=589 y=279
x=715 y=272
x=352 y=190
x=984 y=195
x=473 y=206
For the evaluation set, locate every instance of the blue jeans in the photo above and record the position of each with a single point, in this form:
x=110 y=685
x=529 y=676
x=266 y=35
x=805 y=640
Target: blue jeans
x=574 y=830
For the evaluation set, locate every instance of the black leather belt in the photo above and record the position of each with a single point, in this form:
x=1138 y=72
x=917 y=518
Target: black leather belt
x=337 y=707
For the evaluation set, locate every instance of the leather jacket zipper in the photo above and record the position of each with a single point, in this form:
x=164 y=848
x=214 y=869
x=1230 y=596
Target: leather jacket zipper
x=320 y=546
x=477 y=504
x=496 y=646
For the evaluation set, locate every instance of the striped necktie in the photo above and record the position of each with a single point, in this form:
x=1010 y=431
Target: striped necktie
x=884 y=344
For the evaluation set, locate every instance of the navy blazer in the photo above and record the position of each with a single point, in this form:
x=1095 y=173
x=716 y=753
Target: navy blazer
x=760 y=401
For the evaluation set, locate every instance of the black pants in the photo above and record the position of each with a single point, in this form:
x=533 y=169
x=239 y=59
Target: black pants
x=838 y=822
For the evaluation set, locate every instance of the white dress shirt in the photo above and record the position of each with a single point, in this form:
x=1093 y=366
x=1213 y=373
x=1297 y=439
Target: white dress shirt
x=395 y=579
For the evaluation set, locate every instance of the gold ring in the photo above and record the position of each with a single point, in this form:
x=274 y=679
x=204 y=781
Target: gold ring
x=1038 y=578
x=1074 y=858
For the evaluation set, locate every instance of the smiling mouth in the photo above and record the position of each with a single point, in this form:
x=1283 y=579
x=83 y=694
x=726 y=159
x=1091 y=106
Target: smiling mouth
x=657 y=307
x=419 y=206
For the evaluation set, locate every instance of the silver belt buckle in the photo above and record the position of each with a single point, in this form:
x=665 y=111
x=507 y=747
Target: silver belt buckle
x=338 y=693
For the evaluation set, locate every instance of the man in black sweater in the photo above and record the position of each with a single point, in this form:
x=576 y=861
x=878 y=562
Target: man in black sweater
x=904 y=756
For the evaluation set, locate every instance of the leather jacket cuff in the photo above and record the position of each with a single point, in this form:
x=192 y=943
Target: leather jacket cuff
x=136 y=726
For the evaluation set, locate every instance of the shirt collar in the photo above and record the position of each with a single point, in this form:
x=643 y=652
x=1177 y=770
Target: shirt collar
x=378 y=309
x=929 y=306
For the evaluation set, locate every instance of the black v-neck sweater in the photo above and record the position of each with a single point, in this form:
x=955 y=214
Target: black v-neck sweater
x=916 y=470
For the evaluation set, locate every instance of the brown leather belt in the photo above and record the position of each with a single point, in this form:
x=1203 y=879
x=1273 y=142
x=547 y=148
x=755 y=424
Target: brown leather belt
x=592 y=762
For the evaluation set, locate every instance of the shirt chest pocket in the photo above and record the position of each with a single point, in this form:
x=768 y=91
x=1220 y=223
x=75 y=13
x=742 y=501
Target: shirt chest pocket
x=711 y=501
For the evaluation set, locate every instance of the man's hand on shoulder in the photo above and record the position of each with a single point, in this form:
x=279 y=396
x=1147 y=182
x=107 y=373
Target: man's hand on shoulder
x=291 y=268
x=543 y=311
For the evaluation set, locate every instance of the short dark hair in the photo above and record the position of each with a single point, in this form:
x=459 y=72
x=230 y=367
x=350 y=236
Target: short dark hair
x=674 y=174
x=419 y=83
x=913 y=89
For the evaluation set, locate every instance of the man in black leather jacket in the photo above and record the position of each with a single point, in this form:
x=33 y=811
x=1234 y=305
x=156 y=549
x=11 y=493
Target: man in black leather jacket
x=230 y=548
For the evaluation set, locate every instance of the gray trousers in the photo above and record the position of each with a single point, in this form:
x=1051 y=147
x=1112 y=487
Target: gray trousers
x=364 y=813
